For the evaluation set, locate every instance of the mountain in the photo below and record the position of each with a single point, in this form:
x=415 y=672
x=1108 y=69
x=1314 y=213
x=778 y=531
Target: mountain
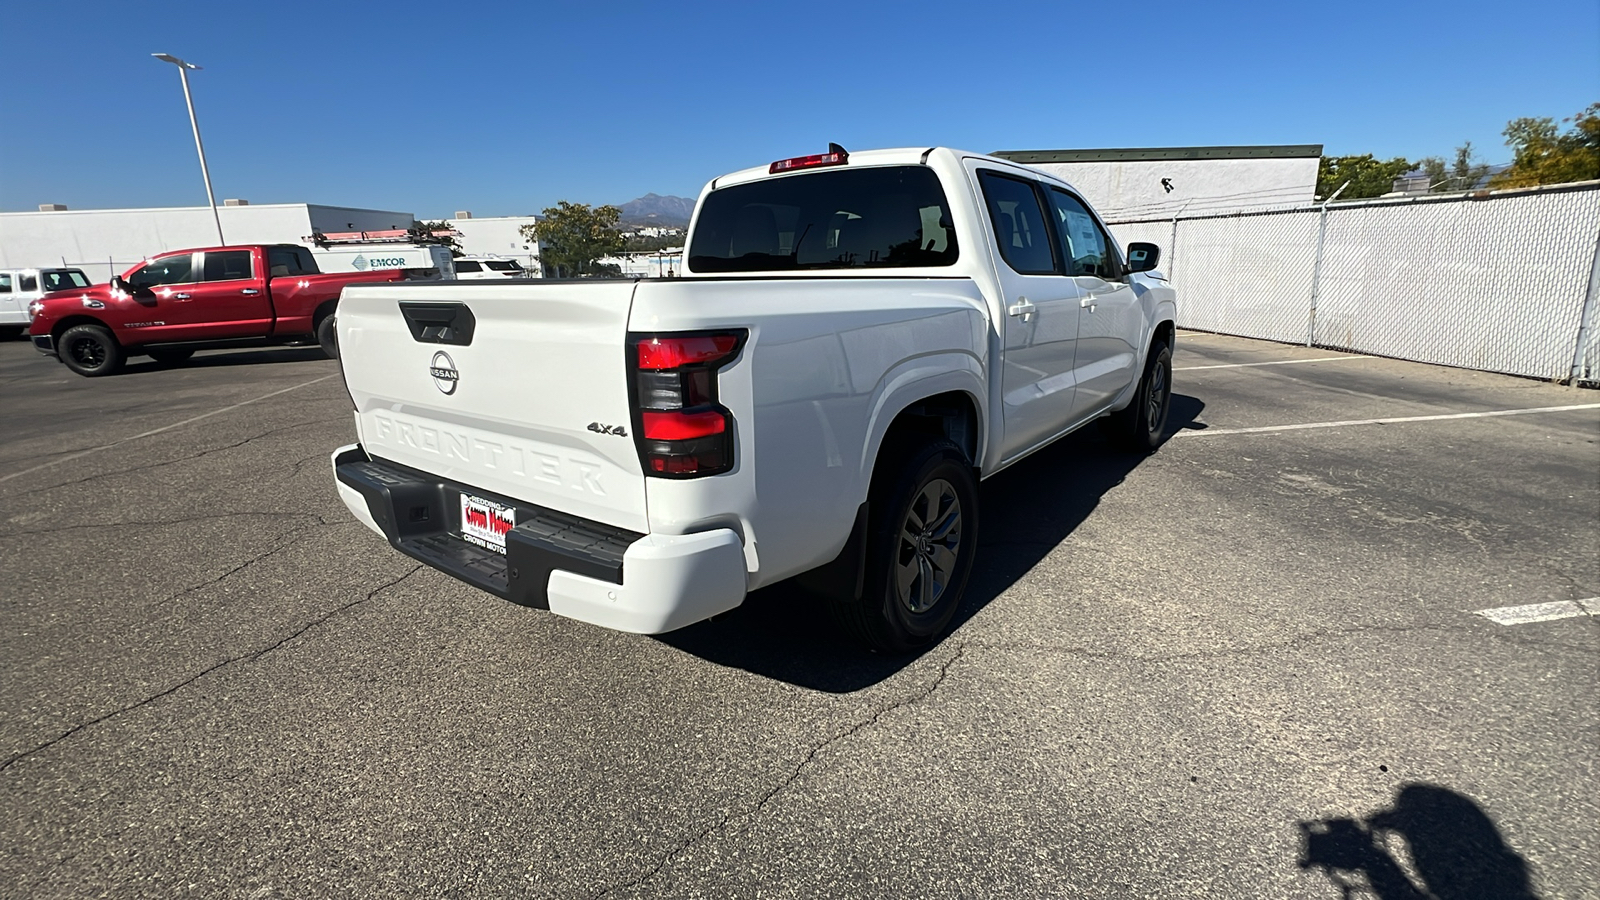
x=654 y=209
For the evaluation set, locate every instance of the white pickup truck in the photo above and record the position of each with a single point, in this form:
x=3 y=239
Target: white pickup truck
x=857 y=340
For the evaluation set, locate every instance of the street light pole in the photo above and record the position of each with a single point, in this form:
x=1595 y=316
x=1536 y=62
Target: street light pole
x=183 y=72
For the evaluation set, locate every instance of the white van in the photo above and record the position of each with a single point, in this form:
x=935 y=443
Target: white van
x=19 y=287
x=471 y=268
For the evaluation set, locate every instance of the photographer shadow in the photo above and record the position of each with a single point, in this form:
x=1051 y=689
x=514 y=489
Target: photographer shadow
x=785 y=633
x=1455 y=851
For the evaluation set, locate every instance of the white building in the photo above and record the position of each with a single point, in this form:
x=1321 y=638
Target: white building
x=106 y=242
x=1158 y=183
x=498 y=236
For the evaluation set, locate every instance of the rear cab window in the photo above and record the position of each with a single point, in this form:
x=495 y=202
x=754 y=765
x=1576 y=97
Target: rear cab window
x=284 y=261
x=877 y=217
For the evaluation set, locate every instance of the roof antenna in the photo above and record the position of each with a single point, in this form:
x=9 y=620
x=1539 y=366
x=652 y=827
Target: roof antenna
x=835 y=148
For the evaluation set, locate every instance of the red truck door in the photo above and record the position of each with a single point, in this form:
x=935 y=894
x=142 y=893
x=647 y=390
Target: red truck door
x=230 y=299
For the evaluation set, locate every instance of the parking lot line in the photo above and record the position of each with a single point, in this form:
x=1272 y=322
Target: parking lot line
x=1540 y=612
x=1276 y=362
x=1394 y=420
x=153 y=431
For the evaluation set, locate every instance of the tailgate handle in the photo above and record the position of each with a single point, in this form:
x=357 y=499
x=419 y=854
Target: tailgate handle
x=439 y=323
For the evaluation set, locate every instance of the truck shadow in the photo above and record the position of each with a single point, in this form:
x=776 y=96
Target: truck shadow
x=216 y=359
x=785 y=633
x=1454 y=851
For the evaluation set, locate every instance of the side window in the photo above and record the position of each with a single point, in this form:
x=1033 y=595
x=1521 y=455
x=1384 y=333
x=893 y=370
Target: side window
x=467 y=265
x=167 y=270
x=28 y=283
x=227 y=265
x=5 y=284
x=1087 y=249
x=1019 y=224
x=283 y=262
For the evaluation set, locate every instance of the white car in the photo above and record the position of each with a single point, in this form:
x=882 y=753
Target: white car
x=493 y=268
x=20 y=287
x=858 y=341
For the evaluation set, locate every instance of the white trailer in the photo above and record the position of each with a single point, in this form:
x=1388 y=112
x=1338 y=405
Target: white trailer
x=432 y=259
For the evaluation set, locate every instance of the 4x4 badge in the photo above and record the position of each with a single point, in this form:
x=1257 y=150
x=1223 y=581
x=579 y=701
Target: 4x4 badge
x=443 y=370
x=617 y=430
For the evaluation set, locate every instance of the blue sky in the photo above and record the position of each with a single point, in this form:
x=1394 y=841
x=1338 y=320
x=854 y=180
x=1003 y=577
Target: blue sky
x=505 y=108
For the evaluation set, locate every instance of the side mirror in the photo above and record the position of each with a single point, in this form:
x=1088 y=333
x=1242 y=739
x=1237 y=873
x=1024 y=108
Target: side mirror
x=1142 y=257
x=117 y=284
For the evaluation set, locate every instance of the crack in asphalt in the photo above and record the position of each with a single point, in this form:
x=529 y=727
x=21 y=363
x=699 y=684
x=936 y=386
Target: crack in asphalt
x=160 y=522
x=168 y=462
x=252 y=655
x=792 y=777
x=1308 y=638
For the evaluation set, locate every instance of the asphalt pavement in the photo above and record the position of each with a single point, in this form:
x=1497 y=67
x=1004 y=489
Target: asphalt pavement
x=1251 y=664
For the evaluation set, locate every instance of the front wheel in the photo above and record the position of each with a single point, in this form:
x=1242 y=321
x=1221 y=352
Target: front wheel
x=922 y=536
x=90 y=350
x=1143 y=425
x=328 y=336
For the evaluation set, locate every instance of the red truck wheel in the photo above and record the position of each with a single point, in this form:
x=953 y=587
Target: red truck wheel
x=90 y=350
x=328 y=337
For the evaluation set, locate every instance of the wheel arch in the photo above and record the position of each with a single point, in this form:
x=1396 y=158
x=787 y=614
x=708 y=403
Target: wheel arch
x=73 y=321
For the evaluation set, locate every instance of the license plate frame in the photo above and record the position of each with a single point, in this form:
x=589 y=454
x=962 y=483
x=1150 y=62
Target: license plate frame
x=484 y=522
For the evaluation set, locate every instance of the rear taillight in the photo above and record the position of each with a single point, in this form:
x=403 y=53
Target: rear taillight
x=680 y=428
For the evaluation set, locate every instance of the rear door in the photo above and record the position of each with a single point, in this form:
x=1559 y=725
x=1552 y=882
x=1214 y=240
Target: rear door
x=11 y=312
x=230 y=297
x=1111 y=321
x=1041 y=304
x=515 y=390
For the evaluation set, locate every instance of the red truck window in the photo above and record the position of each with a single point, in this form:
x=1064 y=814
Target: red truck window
x=227 y=265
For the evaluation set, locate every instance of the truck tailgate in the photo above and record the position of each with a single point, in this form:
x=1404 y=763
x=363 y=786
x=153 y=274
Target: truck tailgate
x=518 y=390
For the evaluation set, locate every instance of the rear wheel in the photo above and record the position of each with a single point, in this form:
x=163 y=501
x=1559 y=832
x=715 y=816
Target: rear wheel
x=171 y=357
x=90 y=350
x=922 y=535
x=328 y=337
x=1143 y=425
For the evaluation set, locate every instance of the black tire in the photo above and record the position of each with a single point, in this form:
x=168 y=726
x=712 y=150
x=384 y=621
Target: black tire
x=328 y=336
x=11 y=332
x=90 y=350
x=171 y=357
x=923 y=499
x=1142 y=427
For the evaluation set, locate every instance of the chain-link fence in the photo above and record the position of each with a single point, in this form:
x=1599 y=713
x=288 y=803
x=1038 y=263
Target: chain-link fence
x=1504 y=281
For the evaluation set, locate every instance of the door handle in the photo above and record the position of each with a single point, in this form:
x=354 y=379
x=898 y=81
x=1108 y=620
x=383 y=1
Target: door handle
x=1023 y=307
x=180 y=296
x=250 y=292
x=1087 y=303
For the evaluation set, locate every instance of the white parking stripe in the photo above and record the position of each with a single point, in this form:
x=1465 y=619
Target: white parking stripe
x=1263 y=429
x=1539 y=612
x=145 y=434
x=1276 y=362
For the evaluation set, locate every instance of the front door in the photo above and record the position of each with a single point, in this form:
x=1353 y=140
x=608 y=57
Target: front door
x=164 y=290
x=1111 y=321
x=1041 y=322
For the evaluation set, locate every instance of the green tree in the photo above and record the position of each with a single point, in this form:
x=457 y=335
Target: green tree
x=642 y=243
x=435 y=233
x=1461 y=175
x=1368 y=176
x=573 y=238
x=1546 y=155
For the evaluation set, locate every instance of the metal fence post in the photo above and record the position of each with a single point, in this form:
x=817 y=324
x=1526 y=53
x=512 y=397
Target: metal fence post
x=1316 y=269
x=1172 y=255
x=1586 y=323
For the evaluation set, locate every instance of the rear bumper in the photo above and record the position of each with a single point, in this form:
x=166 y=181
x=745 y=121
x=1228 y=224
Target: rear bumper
x=643 y=583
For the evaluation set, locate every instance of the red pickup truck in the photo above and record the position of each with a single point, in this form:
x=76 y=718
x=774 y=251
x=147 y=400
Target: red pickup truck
x=171 y=305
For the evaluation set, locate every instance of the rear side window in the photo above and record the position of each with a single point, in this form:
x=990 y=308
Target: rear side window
x=1019 y=224
x=227 y=265
x=468 y=265
x=891 y=216
x=5 y=284
x=501 y=265
x=29 y=283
